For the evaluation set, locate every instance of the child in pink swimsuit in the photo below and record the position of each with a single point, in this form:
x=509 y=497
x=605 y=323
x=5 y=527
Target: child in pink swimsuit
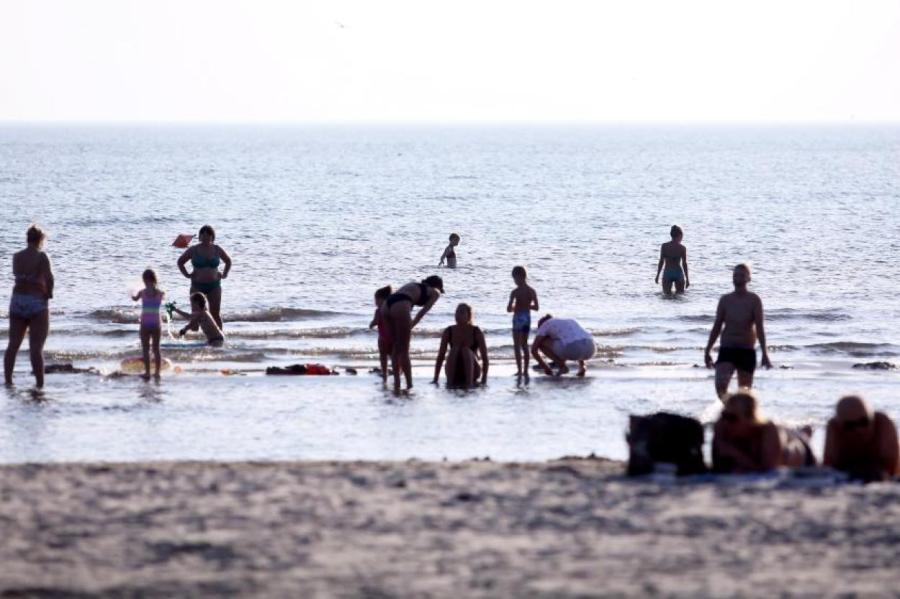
x=385 y=341
x=151 y=298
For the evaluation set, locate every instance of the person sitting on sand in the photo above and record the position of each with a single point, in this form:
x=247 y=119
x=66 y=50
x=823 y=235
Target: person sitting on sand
x=562 y=339
x=466 y=342
x=862 y=442
x=673 y=255
x=450 y=252
x=398 y=316
x=741 y=314
x=200 y=318
x=744 y=442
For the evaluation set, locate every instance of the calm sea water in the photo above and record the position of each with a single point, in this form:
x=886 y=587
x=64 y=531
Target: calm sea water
x=317 y=218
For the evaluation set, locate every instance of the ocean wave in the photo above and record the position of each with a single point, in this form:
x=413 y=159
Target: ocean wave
x=275 y=314
x=779 y=314
x=855 y=348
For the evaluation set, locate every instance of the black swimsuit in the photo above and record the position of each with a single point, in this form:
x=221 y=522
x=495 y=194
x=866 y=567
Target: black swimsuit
x=402 y=297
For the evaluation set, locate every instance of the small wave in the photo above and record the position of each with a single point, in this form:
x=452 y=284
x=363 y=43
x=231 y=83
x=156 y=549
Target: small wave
x=855 y=348
x=115 y=315
x=277 y=314
x=824 y=315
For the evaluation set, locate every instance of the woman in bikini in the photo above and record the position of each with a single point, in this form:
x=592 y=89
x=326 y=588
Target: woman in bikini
x=467 y=344
x=206 y=278
x=673 y=256
x=399 y=319
x=28 y=306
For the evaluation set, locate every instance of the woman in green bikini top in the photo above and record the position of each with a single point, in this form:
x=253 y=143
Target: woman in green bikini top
x=205 y=278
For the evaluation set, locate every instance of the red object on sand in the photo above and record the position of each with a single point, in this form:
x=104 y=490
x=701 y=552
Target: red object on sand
x=182 y=241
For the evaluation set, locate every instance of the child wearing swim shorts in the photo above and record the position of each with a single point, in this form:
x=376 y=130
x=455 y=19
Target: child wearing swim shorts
x=151 y=298
x=385 y=341
x=522 y=300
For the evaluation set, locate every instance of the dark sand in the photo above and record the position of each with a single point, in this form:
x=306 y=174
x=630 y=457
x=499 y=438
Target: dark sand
x=371 y=529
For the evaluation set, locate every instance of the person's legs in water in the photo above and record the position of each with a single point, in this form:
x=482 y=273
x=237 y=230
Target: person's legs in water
x=384 y=352
x=582 y=368
x=215 y=305
x=745 y=378
x=452 y=368
x=547 y=347
x=724 y=372
x=17 y=329
x=145 y=350
x=38 y=328
x=467 y=367
x=517 y=347
x=399 y=316
x=157 y=357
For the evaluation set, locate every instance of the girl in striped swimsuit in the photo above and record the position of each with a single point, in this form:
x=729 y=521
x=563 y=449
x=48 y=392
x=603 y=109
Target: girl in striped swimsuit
x=151 y=298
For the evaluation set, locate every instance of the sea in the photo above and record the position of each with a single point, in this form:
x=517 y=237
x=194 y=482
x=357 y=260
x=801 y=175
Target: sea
x=316 y=218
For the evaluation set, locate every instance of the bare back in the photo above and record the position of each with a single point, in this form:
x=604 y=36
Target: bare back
x=32 y=272
x=672 y=252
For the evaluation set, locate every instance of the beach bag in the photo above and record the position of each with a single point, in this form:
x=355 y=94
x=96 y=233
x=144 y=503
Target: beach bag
x=665 y=438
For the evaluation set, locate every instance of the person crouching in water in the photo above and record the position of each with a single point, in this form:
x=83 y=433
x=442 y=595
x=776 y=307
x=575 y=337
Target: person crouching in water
x=385 y=341
x=562 y=339
x=744 y=442
x=151 y=298
x=466 y=342
x=200 y=318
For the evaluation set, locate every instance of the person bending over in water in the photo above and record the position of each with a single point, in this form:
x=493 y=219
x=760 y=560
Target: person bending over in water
x=385 y=342
x=673 y=255
x=741 y=314
x=862 y=442
x=200 y=318
x=206 y=278
x=400 y=321
x=522 y=300
x=450 y=252
x=151 y=298
x=466 y=343
x=562 y=339
x=743 y=442
x=29 y=311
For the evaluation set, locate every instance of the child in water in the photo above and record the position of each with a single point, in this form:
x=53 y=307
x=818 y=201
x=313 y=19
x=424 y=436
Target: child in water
x=385 y=342
x=450 y=253
x=151 y=298
x=522 y=300
x=200 y=318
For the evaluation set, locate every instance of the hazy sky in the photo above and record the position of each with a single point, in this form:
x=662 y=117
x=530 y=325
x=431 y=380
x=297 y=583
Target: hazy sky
x=420 y=60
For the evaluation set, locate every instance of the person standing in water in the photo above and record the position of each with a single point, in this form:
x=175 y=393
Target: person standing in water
x=151 y=297
x=741 y=314
x=672 y=256
x=206 y=278
x=398 y=316
x=450 y=252
x=29 y=305
x=522 y=300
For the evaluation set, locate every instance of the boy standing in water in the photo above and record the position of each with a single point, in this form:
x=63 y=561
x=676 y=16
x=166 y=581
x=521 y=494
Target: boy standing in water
x=741 y=314
x=522 y=300
x=450 y=253
x=385 y=341
x=151 y=298
x=673 y=255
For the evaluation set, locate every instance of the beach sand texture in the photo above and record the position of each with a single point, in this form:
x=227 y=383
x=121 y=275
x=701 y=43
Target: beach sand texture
x=421 y=529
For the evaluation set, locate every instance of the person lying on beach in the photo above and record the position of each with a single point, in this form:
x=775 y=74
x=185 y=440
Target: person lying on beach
x=522 y=300
x=743 y=442
x=466 y=343
x=151 y=297
x=673 y=255
x=398 y=316
x=862 y=442
x=741 y=314
x=385 y=343
x=449 y=252
x=562 y=339
x=199 y=318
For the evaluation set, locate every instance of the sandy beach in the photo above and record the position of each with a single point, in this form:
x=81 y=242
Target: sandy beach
x=574 y=527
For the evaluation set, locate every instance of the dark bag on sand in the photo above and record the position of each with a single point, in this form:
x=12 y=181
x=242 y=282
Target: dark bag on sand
x=667 y=438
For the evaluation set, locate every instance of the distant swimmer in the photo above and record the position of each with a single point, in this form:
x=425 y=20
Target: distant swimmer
x=741 y=314
x=861 y=441
x=29 y=310
x=743 y=442
x=400 y=321
x=449 y=254
x=206 y=278
x=200 y=318
x=385 y=341
x=562 y=339
x=151 y=298
x=522 y=300
x=673 y=256
x=466 y=343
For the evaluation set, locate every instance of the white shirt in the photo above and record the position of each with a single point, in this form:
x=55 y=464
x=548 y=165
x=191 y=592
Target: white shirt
x=564 y=330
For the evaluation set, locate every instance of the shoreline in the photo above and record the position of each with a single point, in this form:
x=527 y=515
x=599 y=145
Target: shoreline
x=567 y=527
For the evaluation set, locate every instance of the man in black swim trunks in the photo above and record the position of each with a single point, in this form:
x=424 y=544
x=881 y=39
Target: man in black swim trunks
x=741 y=314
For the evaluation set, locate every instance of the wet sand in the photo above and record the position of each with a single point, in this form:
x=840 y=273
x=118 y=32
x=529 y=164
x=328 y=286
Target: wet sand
x=419 y=529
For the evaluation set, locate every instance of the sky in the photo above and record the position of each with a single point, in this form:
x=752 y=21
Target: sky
x=460 y=61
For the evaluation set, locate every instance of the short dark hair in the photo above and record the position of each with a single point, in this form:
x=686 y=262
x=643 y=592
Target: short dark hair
x=519 y=271
x=434 y=281
x=452 y=235
x=199 y=299
x=383 y=293
x=743 y=267
x=676 y=231
x=35 y=234
x=150 y=275
x=209 y=231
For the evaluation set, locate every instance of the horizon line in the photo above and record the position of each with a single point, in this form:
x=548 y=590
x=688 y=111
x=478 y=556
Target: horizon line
x=446 y=123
